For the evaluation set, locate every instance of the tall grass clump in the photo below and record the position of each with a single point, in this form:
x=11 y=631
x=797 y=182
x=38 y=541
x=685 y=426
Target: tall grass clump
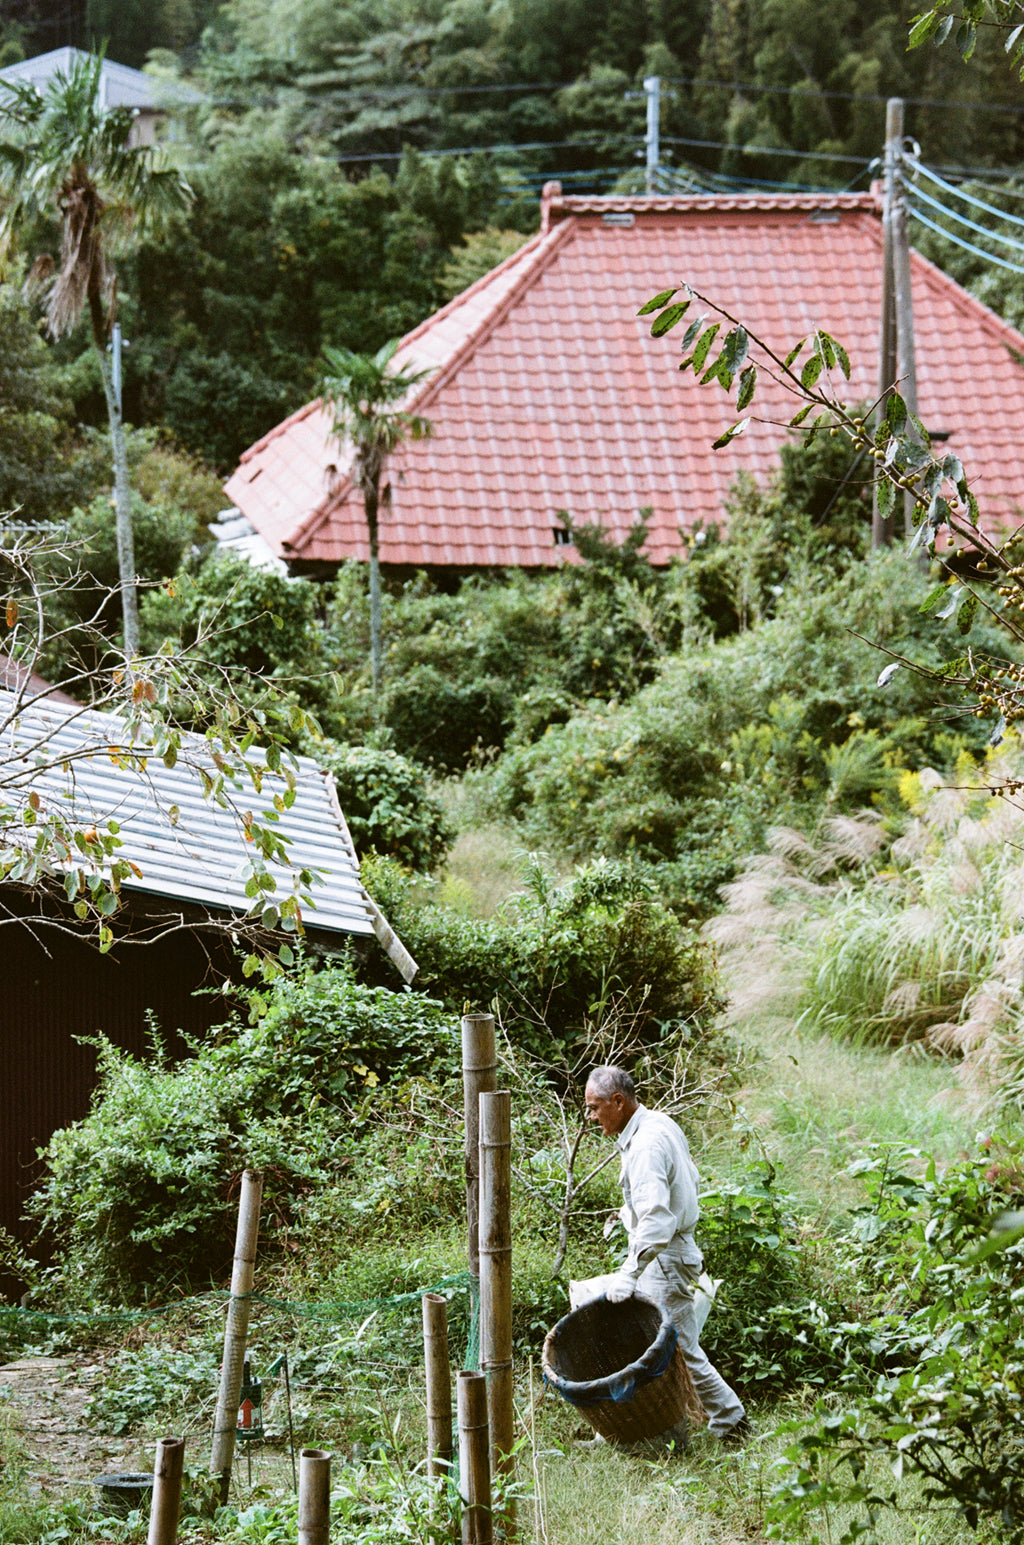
x=917 y=939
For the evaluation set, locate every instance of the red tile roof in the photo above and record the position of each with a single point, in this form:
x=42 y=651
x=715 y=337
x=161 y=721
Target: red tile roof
x=548 y=393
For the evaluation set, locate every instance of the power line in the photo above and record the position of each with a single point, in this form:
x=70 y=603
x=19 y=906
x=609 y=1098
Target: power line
x=958 y=241
x=968 y=198
x=972 y=225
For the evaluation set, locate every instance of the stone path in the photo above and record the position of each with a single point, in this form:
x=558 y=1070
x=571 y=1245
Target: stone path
x=46 y=1397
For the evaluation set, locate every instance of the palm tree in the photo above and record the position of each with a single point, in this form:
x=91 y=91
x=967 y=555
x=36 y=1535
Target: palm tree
x=363 y=394
x=63 y=155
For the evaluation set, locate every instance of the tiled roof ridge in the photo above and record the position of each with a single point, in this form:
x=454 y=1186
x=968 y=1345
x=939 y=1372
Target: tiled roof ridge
x=546 y=246
x=556 y=205
x=454 y=304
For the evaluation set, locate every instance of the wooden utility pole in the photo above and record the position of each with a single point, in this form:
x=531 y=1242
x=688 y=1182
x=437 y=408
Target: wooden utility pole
x=897 y=361
x=652 y=88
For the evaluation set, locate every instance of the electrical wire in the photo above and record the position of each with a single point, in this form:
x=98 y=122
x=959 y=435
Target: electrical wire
x=917 y=166
x=958 y=241
x=972 y=225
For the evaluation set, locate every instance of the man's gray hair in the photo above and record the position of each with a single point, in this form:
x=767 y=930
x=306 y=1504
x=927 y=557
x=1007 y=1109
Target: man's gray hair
x=610 y=1080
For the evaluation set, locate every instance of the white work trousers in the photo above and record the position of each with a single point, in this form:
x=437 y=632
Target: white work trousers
x=671 y=1287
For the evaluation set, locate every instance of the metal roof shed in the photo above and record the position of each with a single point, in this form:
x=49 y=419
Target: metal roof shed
x=184 y=847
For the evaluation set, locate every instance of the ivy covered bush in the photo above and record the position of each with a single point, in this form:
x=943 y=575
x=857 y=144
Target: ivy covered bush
x=388 y=806
x=138 y=1194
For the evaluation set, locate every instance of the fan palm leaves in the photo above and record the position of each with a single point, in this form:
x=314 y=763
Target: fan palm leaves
x=65 y=156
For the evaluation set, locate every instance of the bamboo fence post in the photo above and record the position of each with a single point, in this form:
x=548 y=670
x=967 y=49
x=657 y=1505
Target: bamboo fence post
x=474 y=1460
x=479 y=1076
x=314 y=1496
x=496 y=1272
x=165 y=1508
x=236 y=1329
x=439 y=1386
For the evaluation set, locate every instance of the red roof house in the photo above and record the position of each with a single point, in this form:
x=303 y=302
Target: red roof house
x=547 y=392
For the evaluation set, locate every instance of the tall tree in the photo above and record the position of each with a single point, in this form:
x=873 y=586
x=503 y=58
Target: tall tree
x=364 y=395
x=64 y=155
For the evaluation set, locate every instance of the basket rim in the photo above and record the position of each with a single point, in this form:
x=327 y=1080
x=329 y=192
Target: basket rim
x=623 y=1384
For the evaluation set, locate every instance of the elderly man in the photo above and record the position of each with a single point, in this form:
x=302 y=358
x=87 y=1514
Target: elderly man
x=660 y=1210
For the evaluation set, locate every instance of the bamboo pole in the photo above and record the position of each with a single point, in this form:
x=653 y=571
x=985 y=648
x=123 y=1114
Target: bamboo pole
x=474 y=1460
x=439 y=1385
x=479 y=1076
x=314 y=1496
x=496 y=1272
x=236 y=1330
x=165 y=1508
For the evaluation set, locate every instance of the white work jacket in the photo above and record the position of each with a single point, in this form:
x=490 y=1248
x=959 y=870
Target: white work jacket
x=660 y=1189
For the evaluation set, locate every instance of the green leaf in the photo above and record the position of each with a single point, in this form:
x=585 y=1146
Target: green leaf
x=691 y=333
x=886 y=497
x=966 y=38
x=798 y=418
x=656 y=304
x=811 y=371
x=669 y=318
x=924 y=26
x=730 y=434
x=965 y=616
x=286 y=955
x=896 y=413
x=934 y=598
x=794 y=351
x=703 y=348
x=748 y=385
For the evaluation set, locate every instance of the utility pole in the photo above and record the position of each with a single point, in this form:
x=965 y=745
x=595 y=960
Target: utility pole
x=897 y=365
x=652 y=86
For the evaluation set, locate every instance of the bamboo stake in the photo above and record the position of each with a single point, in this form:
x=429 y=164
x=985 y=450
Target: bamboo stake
x=496 y=1272
x=479 y=1076
x=236 y=1329
x=314 y=1496
x=165 y=1508
x=474 y=1460
x=439 y=1385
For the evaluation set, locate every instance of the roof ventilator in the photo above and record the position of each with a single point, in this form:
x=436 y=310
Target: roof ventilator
x=618 y=217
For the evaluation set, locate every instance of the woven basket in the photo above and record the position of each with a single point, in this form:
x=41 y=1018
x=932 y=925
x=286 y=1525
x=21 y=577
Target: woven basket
x=620 y=1366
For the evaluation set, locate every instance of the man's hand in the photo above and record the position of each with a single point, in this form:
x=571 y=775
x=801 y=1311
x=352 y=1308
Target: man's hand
x=621 y=1287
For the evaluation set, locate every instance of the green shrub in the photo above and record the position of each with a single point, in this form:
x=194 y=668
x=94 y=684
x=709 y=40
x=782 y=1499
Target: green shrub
x=559 y=958
x=946 y=1280
x=736 y=737
x=138 y=1193
x=387 y=805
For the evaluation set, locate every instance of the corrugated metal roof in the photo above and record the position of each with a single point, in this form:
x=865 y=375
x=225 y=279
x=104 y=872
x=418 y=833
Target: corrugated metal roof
x=548 y=392
x=120 y=85
x=187 y=847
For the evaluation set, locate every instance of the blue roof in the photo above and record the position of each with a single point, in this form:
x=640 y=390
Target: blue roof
x=120 y=85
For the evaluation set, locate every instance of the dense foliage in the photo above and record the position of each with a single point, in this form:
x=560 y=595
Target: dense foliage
x=785 y=718
x=560 y=959
x=135 y=1195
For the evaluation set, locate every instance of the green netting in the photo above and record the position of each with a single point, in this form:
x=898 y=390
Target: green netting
x=15 y=1316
